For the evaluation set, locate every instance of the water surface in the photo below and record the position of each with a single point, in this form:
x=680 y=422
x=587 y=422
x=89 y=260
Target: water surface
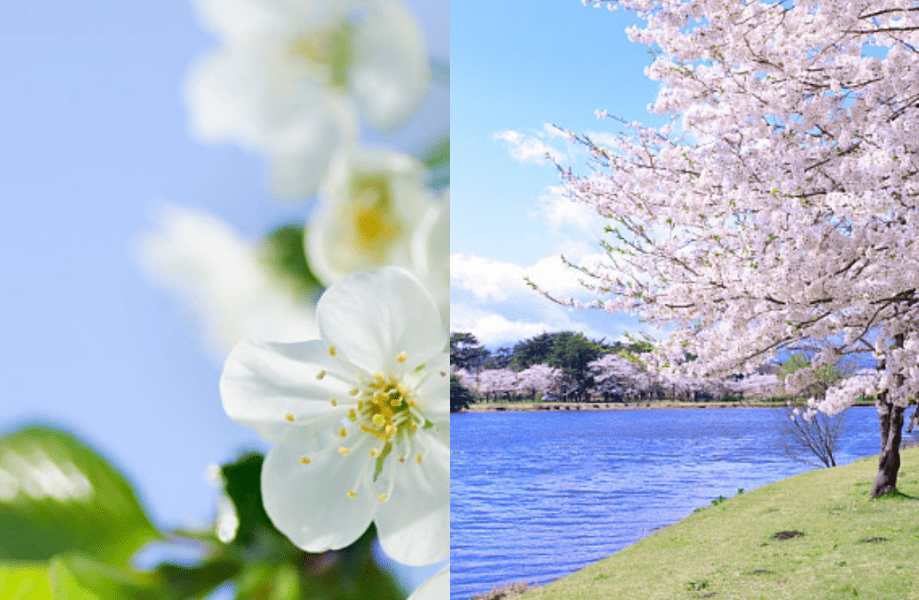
x=538 y=495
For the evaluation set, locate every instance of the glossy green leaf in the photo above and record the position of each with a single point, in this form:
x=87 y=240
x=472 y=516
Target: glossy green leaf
x=59 y=496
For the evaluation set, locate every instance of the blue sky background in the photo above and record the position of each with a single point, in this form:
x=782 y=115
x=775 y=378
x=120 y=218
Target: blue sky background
x=516 y=68
x=94 y=140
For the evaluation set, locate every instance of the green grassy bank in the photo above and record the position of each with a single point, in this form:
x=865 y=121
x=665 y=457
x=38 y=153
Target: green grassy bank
x=851 y=547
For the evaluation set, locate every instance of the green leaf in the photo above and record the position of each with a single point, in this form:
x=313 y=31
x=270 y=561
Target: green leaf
x=21 y=581
x=58 y=496
x=283 y=249
x=76 y=577
x=198 y=581
x=437 y=155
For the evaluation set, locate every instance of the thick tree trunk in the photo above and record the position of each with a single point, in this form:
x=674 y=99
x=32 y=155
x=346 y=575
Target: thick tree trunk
x=890 y=418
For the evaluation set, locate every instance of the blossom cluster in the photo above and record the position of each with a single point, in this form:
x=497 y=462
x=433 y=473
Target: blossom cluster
x=334 y=335
x=778 y=206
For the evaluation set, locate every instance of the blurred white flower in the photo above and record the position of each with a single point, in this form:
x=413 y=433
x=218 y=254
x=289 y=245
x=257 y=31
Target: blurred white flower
x=291 y=76
x=371 y=208
x=431 y=253
x=360 y=420
x=221 y=278
x=436 y=587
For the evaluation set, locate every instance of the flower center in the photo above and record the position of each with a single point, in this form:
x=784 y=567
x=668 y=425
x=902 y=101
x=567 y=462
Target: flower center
x=330 y=52
x=375 y=225
x=385 y=408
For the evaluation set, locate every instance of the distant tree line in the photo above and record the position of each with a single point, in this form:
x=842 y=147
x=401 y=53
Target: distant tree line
x=567 y=366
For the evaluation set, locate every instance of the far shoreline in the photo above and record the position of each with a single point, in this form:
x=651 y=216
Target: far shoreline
x=613 y=406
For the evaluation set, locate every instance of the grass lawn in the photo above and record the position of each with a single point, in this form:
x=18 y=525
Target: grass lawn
x=851 y=547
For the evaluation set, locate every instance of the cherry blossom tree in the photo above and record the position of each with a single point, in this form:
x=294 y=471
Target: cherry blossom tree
x=496 y=382
x=778 y=206
x=539 y=379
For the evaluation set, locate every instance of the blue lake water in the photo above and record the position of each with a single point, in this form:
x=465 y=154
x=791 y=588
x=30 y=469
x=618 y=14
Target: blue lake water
x=538 y=495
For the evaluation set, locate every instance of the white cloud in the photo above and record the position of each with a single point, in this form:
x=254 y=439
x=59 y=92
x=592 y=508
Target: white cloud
x=527 y=149
x=559 y=212
x=491 y=299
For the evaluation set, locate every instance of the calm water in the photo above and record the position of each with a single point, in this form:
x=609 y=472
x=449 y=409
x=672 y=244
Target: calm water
x=539 y=495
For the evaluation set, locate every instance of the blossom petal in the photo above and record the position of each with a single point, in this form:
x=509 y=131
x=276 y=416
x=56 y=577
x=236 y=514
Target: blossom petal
x=436 y=587
x=273 y=387
x=391 y=72
x=414 y=525
x=309 y=503
x=376 y=315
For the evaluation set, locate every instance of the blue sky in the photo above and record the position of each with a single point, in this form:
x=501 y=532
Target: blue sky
x=94 y=140
x=517 y=70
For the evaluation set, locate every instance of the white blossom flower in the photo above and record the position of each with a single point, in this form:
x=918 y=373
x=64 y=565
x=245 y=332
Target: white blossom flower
x=291 y=77
x=222 y=278
x=373 y=204
x=436 y=587
x=360 y=419
x=431 y=253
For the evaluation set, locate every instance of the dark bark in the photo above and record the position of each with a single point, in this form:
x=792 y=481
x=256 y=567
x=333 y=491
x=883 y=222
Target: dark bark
x=890 y=418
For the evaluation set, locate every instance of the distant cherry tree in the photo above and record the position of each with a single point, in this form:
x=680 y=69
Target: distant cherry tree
x=778 y=206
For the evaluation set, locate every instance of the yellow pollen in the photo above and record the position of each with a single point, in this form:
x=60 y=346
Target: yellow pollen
x=374 y=452
x=415 y=426
x=334 y=402
x=396 y=402
x=402 y=389
x=343 y=432
x=390 y=430
x=379 y=377
x=305 y=460
x=352 y=414
x=353 y=392
x=351 y=494
x=345 y=452
x=331 y=350
x=382 y=497
x=402 y=357
x=289 y=417
x=379 y=420
x=320 y=374
x=360 y=405
x=418 y=458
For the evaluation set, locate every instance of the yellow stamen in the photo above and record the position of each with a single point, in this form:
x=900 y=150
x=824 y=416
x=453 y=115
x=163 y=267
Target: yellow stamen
x=334 y=402
x=345 y=452
x=374 y=452
x=402 y=389
x=351 y=494
x=320 y=374
x=379 y=420
x=415 y=426
x=352 y=414
x=305 y=460
x=379 y=377
x=401 y=459
x=383 y=497
x=289 y=417
x=402 y=357
x=418 y=458
x=331 y=350
x=343 y=432
x=354 y=392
